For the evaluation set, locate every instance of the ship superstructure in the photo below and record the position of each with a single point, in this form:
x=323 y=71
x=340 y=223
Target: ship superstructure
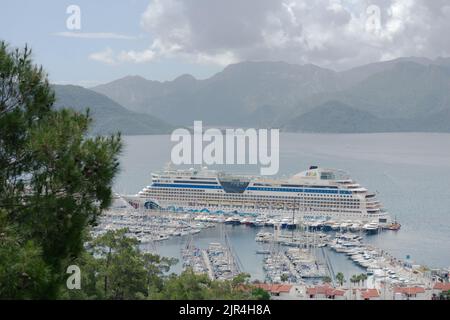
x=314 y=194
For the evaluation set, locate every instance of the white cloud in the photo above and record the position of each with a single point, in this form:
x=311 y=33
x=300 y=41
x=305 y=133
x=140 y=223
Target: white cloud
x=330 y=33
x=222 y=59
x=325 y=32
x=136 y=56
x=106 y=56
x=82 y=83
x=95 y=35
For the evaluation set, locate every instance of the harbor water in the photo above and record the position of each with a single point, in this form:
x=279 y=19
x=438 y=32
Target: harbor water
x=409 y=171
x=241 y=239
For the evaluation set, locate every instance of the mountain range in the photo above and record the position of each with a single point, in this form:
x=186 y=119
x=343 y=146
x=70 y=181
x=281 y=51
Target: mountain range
x=405 y=94
x=108 y=116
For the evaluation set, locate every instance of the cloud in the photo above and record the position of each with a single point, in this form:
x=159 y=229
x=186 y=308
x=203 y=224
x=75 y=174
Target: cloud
x=106 y=56
x=332 y=33
x=221 y=59
x=95 y=35
x=136 y=56
x=82 y=83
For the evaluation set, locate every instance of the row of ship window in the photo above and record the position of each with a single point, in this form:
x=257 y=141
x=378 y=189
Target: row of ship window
x=259 y=197
x=346 y=213
x=174 y=192
x=299 y=190
x=342 y=204
x=317 y=203
x=309 y=203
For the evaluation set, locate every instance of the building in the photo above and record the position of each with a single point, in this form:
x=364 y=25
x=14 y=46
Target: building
x=368 y=294
x=278 y=290
x=325 y=292
x=410 y=293
x=440 y=287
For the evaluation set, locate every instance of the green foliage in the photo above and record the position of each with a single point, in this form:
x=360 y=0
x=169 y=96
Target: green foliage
x=444 y=295
x=447 y=294
x=360 y=278
x=54 y=181
x=240 y=279
x=23 y=272
x=188 y=286
x=191 y=286
x=260 y=294
x=326 y=279
x=340 y=278
x=115 y=268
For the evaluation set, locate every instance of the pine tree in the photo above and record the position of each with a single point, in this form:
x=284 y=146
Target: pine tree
x=54 y=179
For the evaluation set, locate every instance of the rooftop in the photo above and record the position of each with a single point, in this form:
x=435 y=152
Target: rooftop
x=275 y=288
x=444 y=286
x=370 y=293
x=409 y=290
x=325 y=290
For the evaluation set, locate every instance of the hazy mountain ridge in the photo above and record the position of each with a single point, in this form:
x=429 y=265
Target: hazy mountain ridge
x=229 y=97
x=406 y=94
x=108 y=116
x=335 y=117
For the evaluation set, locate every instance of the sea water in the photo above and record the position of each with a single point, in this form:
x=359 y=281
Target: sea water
x=410 y=172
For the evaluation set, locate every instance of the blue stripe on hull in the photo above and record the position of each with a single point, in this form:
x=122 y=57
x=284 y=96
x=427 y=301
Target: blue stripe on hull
x=190 y=186
x=298 y=190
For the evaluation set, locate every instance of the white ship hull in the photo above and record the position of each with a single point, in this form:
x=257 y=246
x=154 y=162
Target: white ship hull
x=144 y=203
x=316 y=194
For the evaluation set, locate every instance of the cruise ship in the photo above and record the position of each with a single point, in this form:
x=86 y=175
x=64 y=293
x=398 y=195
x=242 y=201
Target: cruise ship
x=317 y=194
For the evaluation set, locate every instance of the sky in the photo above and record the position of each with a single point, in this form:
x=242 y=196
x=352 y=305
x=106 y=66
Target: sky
x=87 y=42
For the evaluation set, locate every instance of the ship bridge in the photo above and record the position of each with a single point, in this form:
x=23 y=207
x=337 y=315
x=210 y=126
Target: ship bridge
x=232 y=184
x=316 y=173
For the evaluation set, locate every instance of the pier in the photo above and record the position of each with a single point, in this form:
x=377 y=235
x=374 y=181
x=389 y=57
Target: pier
x=208 y=265
x=301 y=240
x=329 y=265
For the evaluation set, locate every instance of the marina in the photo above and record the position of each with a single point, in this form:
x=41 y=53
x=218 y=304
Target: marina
x=217 y=260
x=147 y=228
x=293 y=265
x=220 y=262
x=303 y=255
x=413 y=185
x=405 y=252
x=193 y=258
x=304 y=239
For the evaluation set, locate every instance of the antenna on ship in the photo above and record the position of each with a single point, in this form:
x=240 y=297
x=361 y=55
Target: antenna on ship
x=168 y=166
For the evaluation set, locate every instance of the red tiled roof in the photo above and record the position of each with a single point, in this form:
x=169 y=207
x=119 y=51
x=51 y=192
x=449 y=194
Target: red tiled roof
x=444 y=286
x=339 y=292
x=318 y=290
x=409 y=290
x=275 y=288
x=370 y=293
x=284 y=288
x=325 y=290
